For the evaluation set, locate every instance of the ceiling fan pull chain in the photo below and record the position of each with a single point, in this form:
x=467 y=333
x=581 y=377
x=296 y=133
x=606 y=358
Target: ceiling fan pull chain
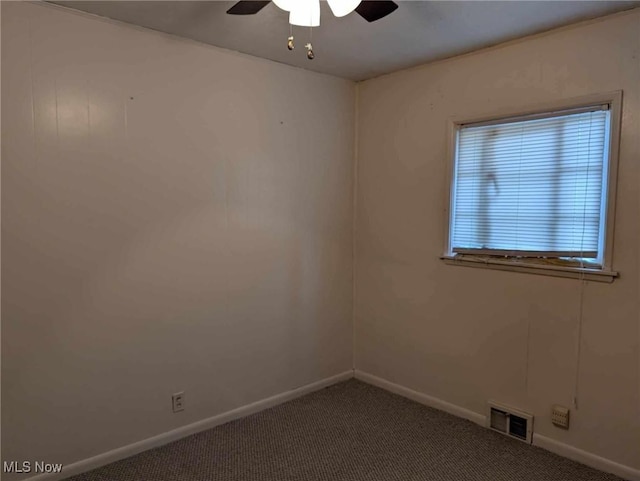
x=308 y=46
x=290 y=44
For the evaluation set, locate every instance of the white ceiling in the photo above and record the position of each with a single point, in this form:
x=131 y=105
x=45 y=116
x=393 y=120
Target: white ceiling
x=349 y=47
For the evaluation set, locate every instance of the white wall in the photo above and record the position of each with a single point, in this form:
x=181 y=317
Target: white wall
x=178 y=217
x=461 y=334
x=174 y=217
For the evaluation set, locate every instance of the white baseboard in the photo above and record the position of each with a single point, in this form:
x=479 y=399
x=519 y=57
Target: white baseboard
x=170 y=436
x=585 y=457
x=423 y=398
x=544 y=442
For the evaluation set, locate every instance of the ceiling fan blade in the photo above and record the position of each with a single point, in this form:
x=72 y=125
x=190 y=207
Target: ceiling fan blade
x=372 y=10
x=247 y=7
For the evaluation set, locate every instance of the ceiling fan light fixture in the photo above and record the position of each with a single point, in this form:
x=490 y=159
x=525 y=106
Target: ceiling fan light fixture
x=340 y=8
x=305 y=13
x=286 y=5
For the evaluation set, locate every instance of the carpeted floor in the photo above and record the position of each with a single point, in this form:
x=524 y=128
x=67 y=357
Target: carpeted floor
x=347 y=432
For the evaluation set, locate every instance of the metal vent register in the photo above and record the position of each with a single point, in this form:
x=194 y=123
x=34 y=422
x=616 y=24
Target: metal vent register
x=512 y=422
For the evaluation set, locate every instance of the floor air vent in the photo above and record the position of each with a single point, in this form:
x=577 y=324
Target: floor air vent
x=509 y=421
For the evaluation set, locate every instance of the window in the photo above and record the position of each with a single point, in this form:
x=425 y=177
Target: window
x=536 y=191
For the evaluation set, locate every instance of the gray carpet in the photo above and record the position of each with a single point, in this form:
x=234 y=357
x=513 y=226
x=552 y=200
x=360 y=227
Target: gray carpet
x=347 y=432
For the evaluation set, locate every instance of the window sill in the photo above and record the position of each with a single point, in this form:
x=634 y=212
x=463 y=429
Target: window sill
x=540 y=269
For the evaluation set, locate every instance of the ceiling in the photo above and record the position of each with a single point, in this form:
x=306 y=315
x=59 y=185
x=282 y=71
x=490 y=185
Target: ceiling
x=349 y=47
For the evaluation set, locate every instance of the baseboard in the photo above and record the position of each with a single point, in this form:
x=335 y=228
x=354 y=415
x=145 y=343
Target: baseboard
x=585 y=457
x=422 y=398
x=170 y=436
x=544 y=442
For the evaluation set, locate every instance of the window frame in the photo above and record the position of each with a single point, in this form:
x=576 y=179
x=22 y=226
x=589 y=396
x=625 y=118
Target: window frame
x=552 y=267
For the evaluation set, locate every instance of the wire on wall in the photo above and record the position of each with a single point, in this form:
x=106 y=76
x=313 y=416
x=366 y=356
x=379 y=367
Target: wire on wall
x=583 y=284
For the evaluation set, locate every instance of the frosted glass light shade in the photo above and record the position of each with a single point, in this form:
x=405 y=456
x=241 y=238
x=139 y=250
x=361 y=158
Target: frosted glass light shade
x=305 y=13
x=286 y=5
x=340 y=8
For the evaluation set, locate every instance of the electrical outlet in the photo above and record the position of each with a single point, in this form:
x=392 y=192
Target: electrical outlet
x=177 y=401
x=560 y=416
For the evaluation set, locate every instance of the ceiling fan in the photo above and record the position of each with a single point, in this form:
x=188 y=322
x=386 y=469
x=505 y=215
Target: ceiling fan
x=306 y=13
x=370 y=10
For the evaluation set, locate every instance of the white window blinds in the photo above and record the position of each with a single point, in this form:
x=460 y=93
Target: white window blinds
x=532 y=187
